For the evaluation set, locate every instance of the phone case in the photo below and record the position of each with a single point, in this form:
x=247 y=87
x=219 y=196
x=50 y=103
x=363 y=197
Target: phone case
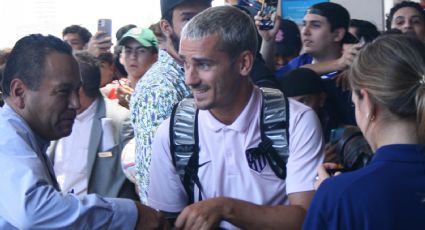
x=268 y=11
x=105 y=25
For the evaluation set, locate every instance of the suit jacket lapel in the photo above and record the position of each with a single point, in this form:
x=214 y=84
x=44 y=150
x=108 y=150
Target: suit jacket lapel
x=95 y=135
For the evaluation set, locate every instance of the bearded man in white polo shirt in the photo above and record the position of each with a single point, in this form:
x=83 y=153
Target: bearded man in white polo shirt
x=218 y=47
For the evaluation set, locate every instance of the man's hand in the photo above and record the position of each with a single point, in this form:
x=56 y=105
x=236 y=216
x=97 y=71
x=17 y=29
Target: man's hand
x=204 y=215
x=150 y=218
x=99 y=43
x=349 y=52
x=322 y=173
x=124 y=94
x=267 y=35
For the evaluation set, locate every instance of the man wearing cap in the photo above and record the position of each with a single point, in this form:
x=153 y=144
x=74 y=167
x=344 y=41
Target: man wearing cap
x=287 y=43
x=162 y=86
x=305 y=86
x=88 y=160
x=139 y=53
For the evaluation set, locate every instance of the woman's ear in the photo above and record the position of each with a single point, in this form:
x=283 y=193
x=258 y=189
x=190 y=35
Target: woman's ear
x=368 y=103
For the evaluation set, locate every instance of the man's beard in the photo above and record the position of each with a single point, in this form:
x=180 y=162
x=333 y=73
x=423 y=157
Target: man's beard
x=176 y=41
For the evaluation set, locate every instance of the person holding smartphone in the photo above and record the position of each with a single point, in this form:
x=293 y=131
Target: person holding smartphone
x=101 y=42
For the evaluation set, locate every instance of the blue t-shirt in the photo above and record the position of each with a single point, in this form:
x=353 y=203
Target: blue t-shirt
x=389 y=193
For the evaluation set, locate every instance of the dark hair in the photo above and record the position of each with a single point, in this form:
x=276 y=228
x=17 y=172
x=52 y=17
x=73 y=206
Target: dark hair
x=4 y=54
x=106 y=58
x=156 y=29
x=391 y=31
x=90 y=73
x=124 y=29
x=1 y=78
x=400 y=5
x=168 y=15
x=84 y=33
x=236 y=37
x=365 y=29
x=27 y=60
x=337 y=15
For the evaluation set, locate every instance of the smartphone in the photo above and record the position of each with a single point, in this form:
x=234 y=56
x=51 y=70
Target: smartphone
x=105 y=25
x=268 y=12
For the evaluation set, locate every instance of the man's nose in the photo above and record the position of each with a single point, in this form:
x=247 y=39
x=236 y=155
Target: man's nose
x=305 y=30
x=74 y=100
x=191 y=75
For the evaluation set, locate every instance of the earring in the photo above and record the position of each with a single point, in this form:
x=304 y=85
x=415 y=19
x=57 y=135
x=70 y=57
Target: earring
x=369 y=117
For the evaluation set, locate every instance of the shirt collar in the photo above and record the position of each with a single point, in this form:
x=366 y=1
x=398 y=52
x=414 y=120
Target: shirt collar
x=400 y=152
x=88 y=113
x=165 y=58
x=41 y=143
x=243 y=121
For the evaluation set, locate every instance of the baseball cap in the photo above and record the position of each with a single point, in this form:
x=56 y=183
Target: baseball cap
x=301 y=81
x=144 y=36
x=337 y=17
x=167 y=5
x=288 y=38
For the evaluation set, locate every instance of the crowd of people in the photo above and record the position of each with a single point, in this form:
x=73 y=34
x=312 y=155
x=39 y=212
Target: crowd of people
x=207 y=120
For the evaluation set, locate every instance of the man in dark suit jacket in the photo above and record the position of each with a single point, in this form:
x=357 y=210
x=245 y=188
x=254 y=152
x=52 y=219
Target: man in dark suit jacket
x=88 y=161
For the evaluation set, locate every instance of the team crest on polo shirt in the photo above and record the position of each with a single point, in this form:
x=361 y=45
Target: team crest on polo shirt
x=256 y=160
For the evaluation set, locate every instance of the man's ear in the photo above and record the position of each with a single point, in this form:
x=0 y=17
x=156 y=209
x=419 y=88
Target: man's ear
x=245 y=62
x=18 y=90
x=166 y=27
x=339 y=34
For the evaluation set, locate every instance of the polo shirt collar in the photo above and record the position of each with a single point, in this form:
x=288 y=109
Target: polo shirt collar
x=243 y=121
x=401 y=153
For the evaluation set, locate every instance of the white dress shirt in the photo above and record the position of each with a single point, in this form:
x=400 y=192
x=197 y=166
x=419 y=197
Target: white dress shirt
x=70 y=162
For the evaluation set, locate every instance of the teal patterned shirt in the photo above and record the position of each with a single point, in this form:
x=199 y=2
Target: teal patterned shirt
x=152 y=102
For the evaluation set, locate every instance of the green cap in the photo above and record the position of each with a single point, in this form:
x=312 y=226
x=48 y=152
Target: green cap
x=144 y=36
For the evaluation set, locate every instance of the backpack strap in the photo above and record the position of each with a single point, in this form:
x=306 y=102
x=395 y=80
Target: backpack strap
x=184 y=145
x=274 y=130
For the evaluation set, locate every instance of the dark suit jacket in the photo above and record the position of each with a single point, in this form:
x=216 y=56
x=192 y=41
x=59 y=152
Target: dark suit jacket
x=106 y=177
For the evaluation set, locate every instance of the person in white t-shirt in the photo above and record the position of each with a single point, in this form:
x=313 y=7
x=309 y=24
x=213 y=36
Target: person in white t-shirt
x=237 y=192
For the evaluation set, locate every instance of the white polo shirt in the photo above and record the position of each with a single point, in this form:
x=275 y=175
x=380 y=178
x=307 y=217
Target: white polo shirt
x=225 y=170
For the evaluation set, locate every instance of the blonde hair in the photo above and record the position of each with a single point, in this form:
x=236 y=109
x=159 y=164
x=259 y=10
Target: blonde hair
x=392 y=70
